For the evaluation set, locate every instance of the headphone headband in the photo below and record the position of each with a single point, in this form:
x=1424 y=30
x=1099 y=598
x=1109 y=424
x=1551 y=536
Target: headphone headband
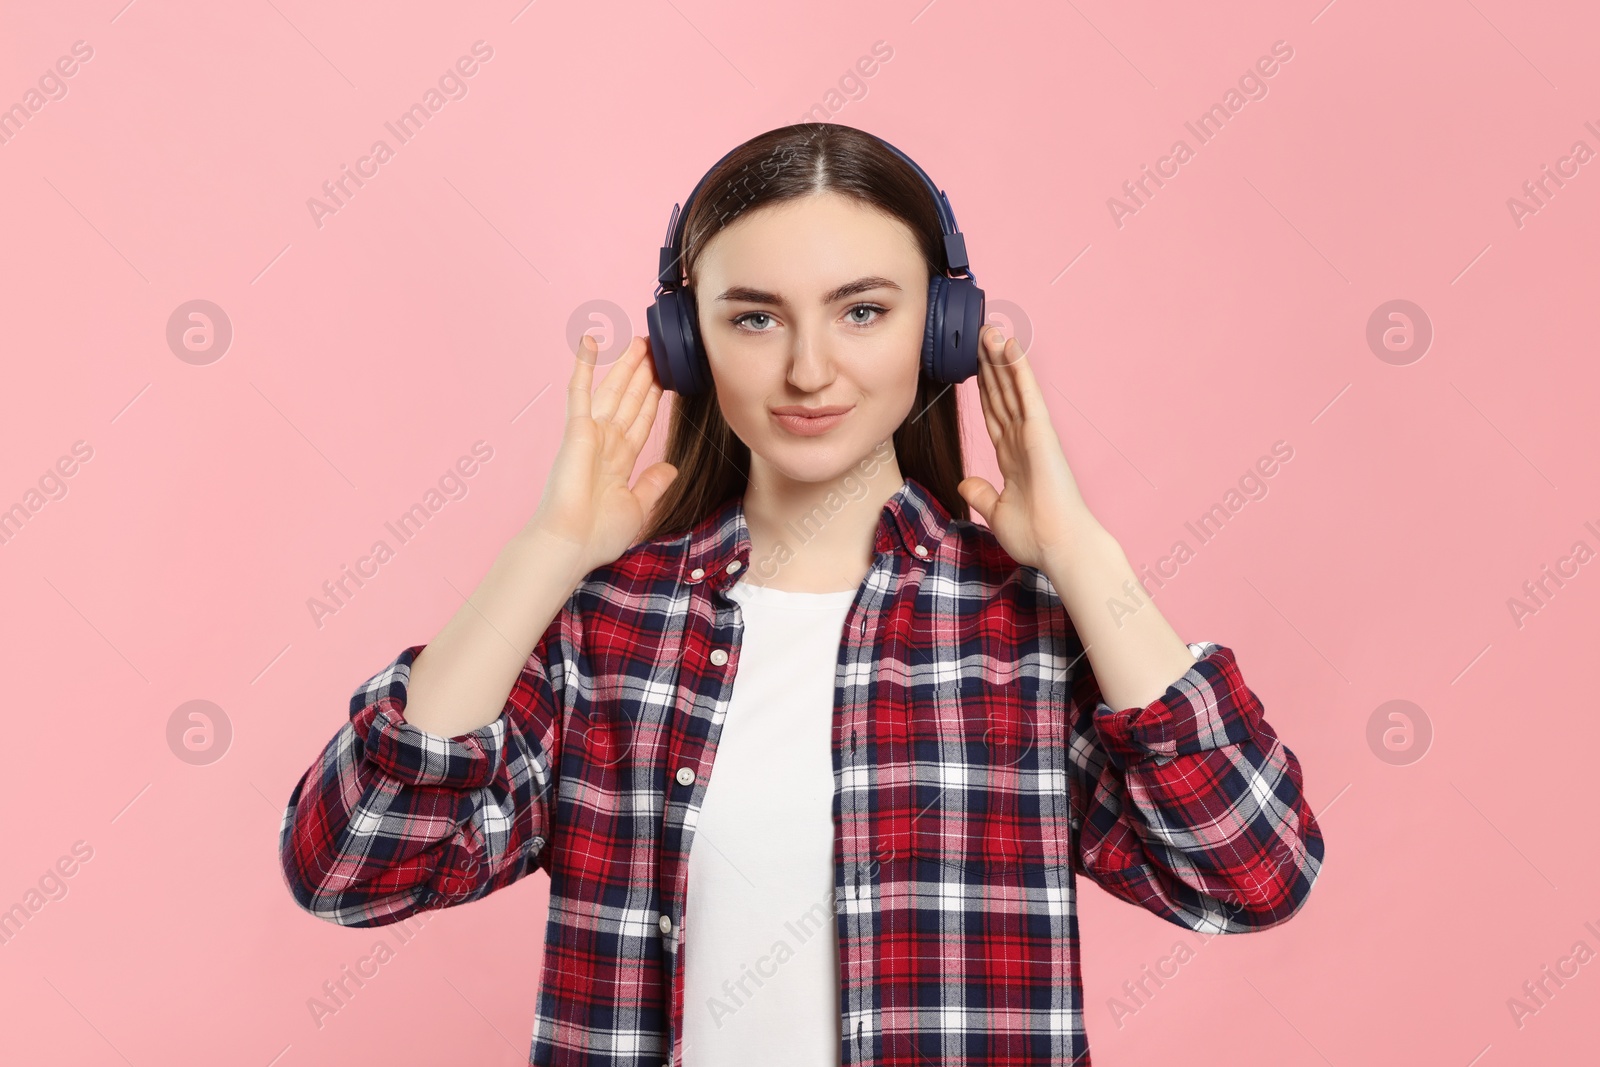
x=670 y=276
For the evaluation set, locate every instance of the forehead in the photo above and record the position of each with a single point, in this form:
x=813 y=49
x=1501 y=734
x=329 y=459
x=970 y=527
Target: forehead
x=811 y=241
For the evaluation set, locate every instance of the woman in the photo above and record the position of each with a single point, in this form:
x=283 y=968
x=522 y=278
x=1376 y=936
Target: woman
x=922 y=729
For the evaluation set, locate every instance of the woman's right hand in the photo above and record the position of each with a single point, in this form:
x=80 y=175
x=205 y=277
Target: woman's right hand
x=587 y=500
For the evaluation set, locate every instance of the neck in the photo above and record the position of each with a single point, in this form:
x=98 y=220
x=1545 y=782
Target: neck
x=815 y=536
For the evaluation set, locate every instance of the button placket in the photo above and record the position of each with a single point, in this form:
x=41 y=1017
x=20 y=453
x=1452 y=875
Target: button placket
x=723 y=628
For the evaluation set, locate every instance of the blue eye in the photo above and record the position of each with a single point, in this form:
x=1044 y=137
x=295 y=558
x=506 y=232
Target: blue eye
x=739 y=320
x=867 y=307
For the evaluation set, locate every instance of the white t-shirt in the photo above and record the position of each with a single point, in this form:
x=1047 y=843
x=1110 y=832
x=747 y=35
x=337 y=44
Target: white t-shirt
x=761 y=955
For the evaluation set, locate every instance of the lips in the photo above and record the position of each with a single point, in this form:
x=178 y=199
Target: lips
x=809 y=422
x=812 y=412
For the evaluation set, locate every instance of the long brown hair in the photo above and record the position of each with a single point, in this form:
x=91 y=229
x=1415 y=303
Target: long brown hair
x=784 y=164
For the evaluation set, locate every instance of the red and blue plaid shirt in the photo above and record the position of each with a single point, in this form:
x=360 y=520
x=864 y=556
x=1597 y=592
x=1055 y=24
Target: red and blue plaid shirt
x=977 y=773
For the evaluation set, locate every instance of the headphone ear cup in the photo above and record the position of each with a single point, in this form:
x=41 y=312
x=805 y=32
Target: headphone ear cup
x=930 y=329
x=675 y=343
x=955 y=319
x=699 y=371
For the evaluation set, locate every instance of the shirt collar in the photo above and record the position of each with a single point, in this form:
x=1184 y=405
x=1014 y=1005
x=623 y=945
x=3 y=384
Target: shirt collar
x=912 y=522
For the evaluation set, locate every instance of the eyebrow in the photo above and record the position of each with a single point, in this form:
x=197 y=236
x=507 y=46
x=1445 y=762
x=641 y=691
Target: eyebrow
x=746 y=295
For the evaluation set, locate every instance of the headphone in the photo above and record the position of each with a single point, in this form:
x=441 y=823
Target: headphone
x=949 y=338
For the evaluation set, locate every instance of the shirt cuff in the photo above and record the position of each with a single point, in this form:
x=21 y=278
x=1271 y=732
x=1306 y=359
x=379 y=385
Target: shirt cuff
x=411 y=755
x=1207 y=708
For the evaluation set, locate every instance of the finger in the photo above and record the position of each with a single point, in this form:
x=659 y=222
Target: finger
x=1001 y=357
x=994 y=413
x=640 y=382
x=979 y=494
x=609 y=391
x=989 y=400
x=641 y=418
x=582 y=375
x=652 y=483
x=1030 y=394
x=639 y=431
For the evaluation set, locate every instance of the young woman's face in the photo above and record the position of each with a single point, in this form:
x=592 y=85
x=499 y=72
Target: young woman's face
x=812 y=303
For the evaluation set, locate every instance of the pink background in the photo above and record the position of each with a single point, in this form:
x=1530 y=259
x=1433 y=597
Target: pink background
x=1228 y=313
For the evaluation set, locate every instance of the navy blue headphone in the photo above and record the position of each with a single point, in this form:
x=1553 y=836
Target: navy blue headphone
x=949 y=339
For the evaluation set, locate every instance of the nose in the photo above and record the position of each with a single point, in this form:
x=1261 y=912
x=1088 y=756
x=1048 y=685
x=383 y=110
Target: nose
x=811 y=366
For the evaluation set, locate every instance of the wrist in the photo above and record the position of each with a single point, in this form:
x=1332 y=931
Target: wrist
x=1088 y=551
x=552 y=552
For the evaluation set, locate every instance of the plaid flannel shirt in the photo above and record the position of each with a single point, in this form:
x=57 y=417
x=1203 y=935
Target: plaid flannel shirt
x=977 y=773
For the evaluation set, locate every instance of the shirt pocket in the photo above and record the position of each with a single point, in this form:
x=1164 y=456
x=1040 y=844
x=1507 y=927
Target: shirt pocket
x=986 y=765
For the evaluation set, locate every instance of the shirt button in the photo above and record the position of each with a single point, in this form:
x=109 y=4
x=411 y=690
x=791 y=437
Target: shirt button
x=698 y=573
x=666 y=924
x=686 y=776
x=921 y=550
x=719 y=656
x=733 y=568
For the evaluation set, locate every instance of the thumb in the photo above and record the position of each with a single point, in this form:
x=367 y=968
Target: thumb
x=979 y=495
x=653 y=482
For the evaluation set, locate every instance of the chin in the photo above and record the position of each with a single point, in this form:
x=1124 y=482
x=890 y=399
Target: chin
x=816 y=460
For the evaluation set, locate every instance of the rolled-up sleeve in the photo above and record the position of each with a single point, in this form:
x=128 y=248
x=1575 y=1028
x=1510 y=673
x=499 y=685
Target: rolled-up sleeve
x=1191 y=807
x=390 y=820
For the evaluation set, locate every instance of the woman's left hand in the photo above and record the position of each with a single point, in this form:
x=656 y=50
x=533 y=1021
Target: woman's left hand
x=1040 y=512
